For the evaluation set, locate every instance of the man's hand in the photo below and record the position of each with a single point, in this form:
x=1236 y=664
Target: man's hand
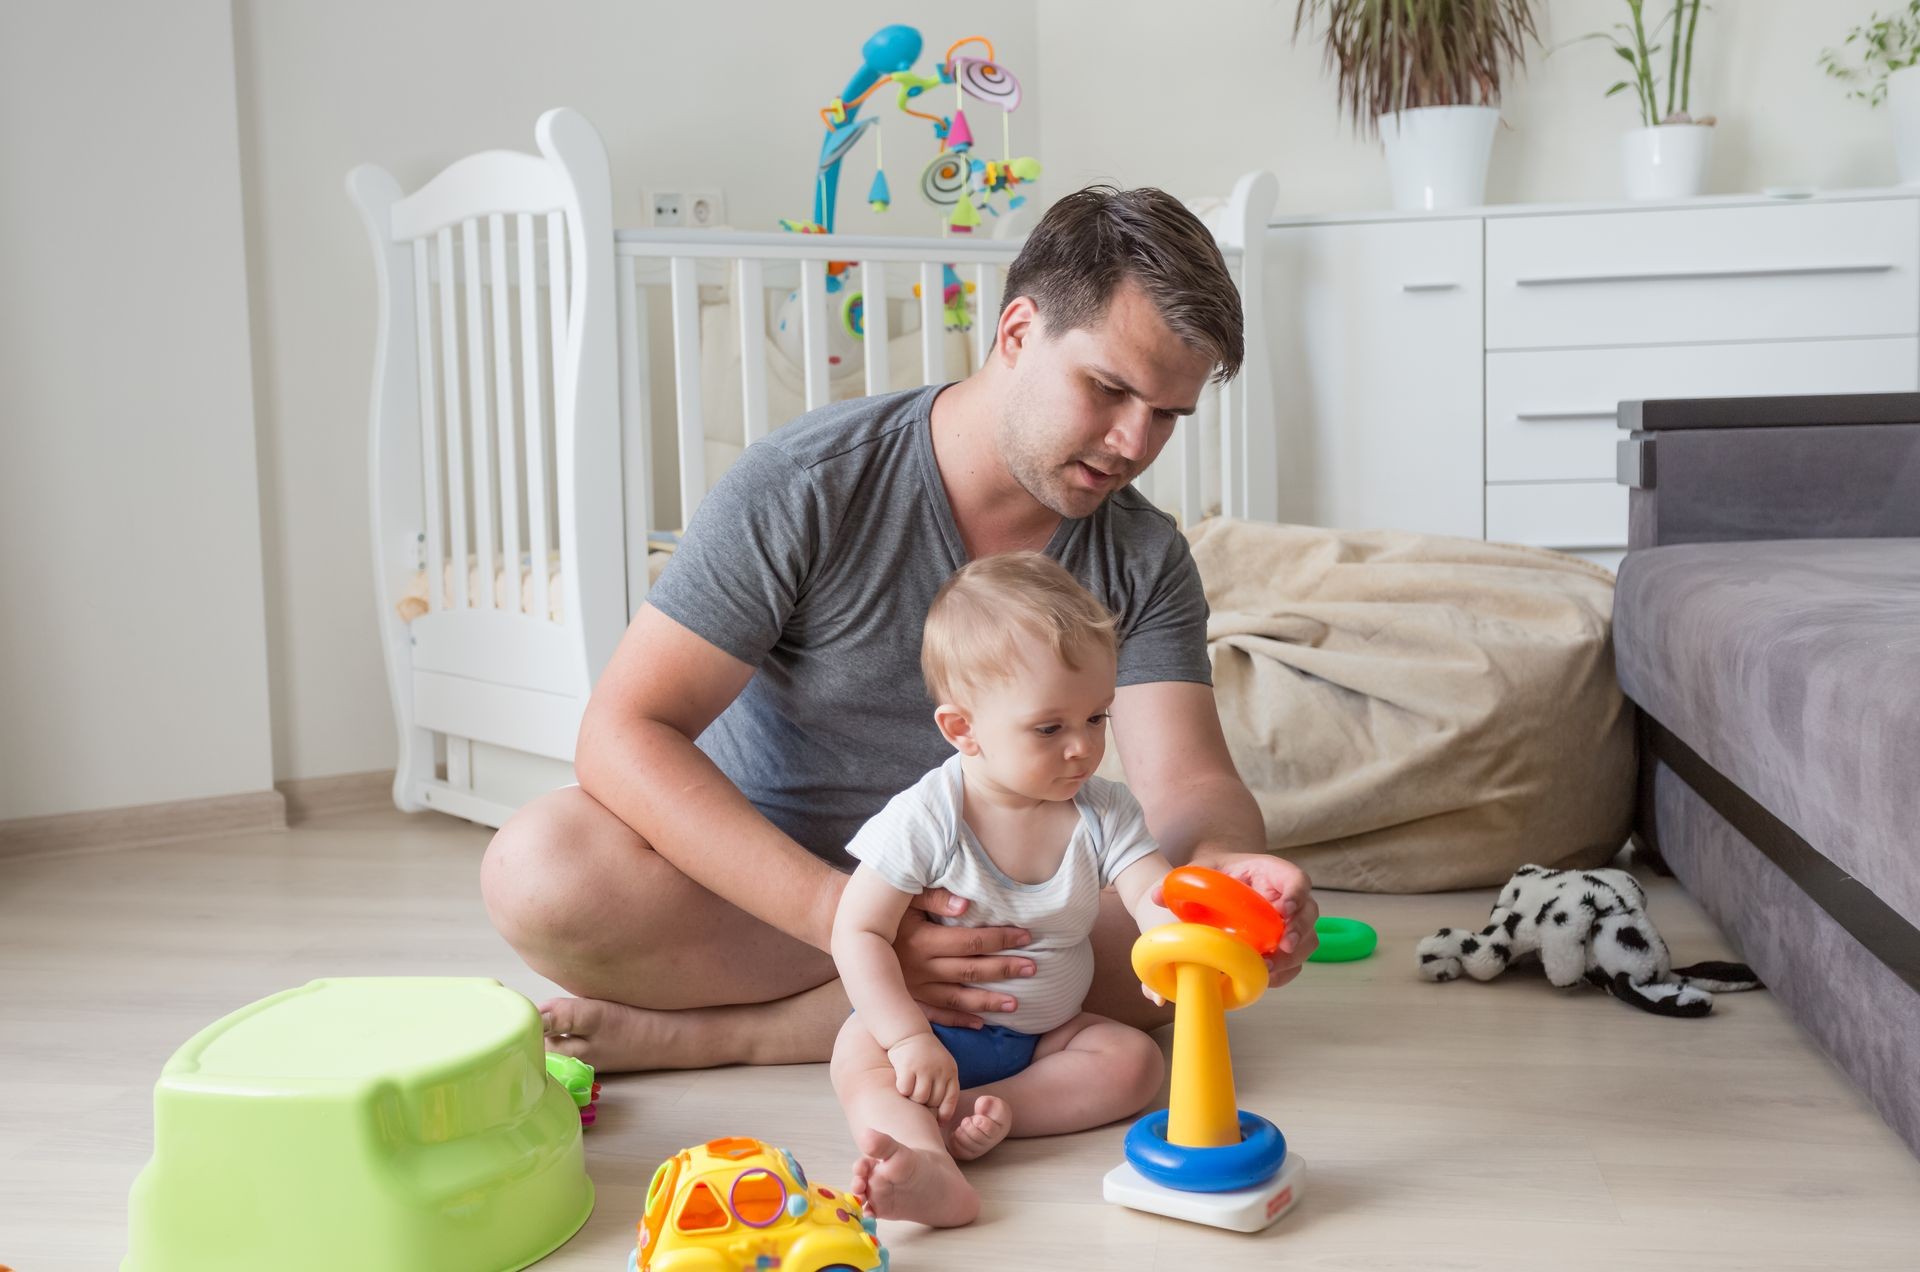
x=925 y=1073
x=1286 y=888
x=942 y=964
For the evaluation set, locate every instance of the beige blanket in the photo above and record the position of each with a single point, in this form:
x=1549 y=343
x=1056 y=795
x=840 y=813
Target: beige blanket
x=1416 y=713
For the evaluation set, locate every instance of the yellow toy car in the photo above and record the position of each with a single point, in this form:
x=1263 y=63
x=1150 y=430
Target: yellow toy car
x=744 y=1205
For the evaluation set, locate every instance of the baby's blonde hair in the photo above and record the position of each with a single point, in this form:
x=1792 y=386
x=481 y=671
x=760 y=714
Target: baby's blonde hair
x=973 y=630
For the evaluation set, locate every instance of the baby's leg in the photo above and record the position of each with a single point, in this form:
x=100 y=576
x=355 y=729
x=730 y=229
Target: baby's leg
x=904 y=1171
x=1086 y=1073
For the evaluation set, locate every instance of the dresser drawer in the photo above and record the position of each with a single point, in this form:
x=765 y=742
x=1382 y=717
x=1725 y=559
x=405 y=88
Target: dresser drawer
x=1551 y=415
x=1378 y=373
x=1692 y=275
x=1562 y=514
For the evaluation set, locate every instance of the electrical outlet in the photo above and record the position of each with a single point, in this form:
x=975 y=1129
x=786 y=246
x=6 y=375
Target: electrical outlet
x=667 y=210
x=706 y=209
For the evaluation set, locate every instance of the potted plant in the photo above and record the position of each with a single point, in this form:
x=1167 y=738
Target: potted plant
x=1888 y=50
x=1666 y=157
x=1425 y=75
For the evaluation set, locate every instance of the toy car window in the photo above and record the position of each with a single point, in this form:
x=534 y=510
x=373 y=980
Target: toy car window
x=702 y=1211
x=758 y=1197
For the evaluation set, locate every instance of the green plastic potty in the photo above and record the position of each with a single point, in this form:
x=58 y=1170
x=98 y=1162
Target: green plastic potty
x=382 y=1125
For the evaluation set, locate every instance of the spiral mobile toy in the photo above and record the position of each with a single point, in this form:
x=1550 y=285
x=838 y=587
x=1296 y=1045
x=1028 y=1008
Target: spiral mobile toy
x=958 y=181
x=957 y=178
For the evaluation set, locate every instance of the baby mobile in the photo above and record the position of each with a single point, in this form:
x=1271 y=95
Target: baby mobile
x=957 y=180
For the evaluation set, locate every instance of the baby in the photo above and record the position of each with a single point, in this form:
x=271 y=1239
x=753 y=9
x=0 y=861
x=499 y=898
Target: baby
x=1020 y=658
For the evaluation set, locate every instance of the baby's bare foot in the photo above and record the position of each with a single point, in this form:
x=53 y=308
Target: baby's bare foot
x=980 y=1130
x=918 y=1184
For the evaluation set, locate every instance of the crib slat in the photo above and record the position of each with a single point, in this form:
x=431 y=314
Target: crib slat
x=456 y=425
x=986 y=311
x=752 y=291
x=1190 y=505
x=503 y=410
x=686 y=385
x=873 y=281
x=429 y=427
x=560 y=315
x=933 y=323
x=482 y=438
x=534 y=421
x=813 y=330
x=1229 y=399
x=636 y=432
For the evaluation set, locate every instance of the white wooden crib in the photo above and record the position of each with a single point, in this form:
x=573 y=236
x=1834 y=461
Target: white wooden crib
x=524 y=392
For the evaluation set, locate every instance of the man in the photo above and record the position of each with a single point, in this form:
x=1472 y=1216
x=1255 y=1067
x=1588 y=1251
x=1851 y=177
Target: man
x=767 y=699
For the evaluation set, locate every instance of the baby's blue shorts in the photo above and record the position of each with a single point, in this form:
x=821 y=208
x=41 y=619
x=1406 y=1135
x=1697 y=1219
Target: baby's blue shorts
x=987 y=1054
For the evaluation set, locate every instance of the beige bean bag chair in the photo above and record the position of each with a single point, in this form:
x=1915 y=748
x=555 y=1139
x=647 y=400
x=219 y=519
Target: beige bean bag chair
x=1416 y=713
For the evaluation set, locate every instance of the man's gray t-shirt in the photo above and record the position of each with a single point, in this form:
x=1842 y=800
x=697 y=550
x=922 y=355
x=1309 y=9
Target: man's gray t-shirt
x=815 y=560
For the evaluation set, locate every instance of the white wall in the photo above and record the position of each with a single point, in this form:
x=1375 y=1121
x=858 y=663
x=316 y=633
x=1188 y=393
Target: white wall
x=1142 y=92
x=132 y=644
x=135 y=664
x=722 y=93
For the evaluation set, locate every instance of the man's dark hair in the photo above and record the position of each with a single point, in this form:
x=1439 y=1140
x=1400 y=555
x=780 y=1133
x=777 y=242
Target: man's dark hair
x=1094 y=239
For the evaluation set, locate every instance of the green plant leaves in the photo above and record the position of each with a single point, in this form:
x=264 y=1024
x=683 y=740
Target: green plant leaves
x=1887 y=44
x=1392 y=55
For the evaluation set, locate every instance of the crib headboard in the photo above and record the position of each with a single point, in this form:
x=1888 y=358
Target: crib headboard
x=494 y=377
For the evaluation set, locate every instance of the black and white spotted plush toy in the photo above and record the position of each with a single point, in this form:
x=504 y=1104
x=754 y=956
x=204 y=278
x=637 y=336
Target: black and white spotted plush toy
x=1589 y=925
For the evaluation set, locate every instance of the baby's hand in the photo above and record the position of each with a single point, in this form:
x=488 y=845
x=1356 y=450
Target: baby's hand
x=925 y=1073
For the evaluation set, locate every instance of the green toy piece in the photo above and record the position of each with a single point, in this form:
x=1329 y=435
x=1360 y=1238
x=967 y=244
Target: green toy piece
x=1342 y=940
x=576 y=1076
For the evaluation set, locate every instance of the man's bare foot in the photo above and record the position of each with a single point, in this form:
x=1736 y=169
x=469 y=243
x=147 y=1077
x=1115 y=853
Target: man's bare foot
x=919 y=1184
x=612 y=1037
x=989 y=1122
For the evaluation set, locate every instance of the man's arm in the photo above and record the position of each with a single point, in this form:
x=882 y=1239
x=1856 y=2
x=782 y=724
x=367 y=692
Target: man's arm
x=1179 y=768
x=1199 y=810
x=662 y=688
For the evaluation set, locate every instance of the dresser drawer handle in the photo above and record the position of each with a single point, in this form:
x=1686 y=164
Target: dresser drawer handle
x=1609 y=414
x=1684 y=275
x=1429 y=287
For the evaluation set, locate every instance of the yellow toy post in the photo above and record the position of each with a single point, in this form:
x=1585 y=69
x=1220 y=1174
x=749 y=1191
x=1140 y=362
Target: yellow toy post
x=1202 y=1158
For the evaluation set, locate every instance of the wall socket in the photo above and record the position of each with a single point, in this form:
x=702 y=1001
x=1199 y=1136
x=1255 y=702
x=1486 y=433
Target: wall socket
x=693 y=209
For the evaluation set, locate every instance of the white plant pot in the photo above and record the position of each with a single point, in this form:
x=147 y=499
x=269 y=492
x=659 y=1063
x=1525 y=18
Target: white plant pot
x=1437 y=155
x=1903 y=101
x=1668 y=161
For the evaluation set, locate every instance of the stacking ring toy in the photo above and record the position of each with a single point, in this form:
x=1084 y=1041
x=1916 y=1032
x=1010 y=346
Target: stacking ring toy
x=1257 y=1155
x=1158 y=953
x=1202 y=1158
x=1342 y=940
x=1221 y=901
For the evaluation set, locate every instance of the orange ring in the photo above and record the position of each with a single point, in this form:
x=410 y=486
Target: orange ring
x=1160 y=951
x=1198 y=895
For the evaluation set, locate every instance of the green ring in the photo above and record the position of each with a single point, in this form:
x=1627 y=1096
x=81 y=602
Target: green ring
x=1342 y=940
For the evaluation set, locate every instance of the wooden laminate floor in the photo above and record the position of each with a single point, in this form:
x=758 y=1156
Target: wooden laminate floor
x=1460 y=1126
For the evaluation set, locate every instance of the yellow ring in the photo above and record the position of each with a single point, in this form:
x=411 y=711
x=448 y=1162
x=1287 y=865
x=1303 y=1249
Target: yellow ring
x=1158 y=952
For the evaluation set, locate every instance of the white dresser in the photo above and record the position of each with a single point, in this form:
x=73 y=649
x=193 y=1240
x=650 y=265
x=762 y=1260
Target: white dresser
x=1459 y=373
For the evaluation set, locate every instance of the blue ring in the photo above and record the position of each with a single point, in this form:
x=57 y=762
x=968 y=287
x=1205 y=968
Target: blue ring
x=1255 y=1159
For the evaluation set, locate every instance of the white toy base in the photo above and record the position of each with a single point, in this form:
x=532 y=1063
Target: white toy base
x=1248 y=1210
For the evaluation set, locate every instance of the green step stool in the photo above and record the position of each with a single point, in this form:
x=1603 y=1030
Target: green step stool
x=402 y=1124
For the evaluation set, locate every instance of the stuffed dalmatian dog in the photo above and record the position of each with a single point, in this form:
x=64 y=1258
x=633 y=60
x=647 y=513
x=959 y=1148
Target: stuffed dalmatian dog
x=1587 y=925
